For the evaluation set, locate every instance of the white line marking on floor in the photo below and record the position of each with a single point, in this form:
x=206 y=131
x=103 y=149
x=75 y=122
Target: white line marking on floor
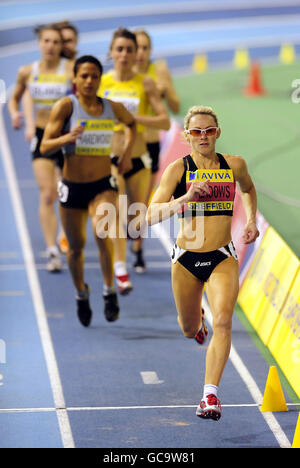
x=150 y=253
x=236 y=361
x=8 y=255
x=133 y=10
x=35 y=288
x=150 y=378
x=117 y=408
x=164 y=265
x=281 y=198
x=12 y=293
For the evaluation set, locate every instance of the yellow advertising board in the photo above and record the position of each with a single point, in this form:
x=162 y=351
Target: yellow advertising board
x=267 y=283
x=284 y=342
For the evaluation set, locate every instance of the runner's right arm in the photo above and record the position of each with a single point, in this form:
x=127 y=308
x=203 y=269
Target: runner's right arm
x=53 y=140
x=14 y=101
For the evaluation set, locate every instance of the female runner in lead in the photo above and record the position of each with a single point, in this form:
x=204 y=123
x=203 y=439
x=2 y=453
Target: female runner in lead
x=203 y=187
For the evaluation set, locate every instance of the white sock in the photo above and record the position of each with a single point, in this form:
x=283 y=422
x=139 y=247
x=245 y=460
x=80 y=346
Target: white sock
x=108 y=290
x=210 y=389
x=53 y=249
x=82 y=295
x=120 y=268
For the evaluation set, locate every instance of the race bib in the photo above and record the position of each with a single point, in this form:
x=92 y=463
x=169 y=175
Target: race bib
x=131 y=103
x=221 y=190
x=96 y=140
x=47 y=89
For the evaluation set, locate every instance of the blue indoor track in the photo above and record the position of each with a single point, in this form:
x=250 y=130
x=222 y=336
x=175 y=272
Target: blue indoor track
x=134 y=383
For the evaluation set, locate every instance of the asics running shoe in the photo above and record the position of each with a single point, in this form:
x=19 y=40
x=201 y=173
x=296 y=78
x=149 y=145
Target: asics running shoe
x=139 y=264
x=84 y=312
x=202 y=334
x=209 y=408
x=124 y=284
x=54 y=263
x=111 y=307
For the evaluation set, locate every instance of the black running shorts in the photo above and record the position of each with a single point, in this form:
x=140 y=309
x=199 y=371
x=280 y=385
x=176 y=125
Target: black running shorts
x=79 y=195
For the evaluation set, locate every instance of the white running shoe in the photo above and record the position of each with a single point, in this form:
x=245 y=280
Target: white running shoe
x=209 y=408
x=54 y=264
x=124 y=284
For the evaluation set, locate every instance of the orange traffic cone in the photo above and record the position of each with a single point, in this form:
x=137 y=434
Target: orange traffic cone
x=296 y=440
x=254 y=86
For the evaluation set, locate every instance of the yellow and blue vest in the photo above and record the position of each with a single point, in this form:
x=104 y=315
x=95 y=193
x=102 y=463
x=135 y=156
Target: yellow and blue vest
x=130 y=93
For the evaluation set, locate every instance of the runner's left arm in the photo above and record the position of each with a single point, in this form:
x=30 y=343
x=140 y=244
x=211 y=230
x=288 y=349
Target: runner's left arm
x=249 y=199
x=160 y=120
x=124 y=116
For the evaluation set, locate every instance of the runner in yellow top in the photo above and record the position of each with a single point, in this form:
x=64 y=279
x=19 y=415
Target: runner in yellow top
x=160 y=73
x=136 y=92
x=47 y=81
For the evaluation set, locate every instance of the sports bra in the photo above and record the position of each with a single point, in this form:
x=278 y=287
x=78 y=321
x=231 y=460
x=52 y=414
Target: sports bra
x=47 y=88
x=222 y=187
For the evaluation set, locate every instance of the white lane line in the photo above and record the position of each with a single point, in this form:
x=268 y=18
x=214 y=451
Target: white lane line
x=150 y=378
x=284 y=199
x=5 y=255
x=35 y=288
x=112 y=408
x=101 y=38
x=258 y=397
x=236 y=360
x=87 y=265
x=12 y=293
x=116 y=408
x=135 y=10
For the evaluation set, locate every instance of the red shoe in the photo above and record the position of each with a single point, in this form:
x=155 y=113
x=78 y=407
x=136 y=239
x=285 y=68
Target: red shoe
x=124 y=284
x=202 y=334
x=209 y=408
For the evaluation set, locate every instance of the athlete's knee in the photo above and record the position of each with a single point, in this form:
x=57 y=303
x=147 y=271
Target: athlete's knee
x=222 y=322
x=188 y=329
x=75 y=250
x=48 y=196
